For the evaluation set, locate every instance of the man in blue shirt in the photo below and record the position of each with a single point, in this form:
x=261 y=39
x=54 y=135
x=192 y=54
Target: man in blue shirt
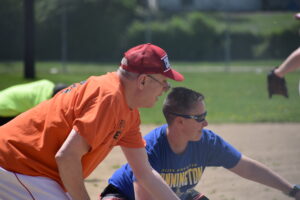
x=180 y=151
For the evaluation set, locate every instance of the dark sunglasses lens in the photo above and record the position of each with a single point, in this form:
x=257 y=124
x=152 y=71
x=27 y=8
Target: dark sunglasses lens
x=201 y=118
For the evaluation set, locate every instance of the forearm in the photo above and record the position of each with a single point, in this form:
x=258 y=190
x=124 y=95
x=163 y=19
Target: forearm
x=68 y=159
x=156 y=186
x=140 y=192
x=290 y=64
x=270 y=178
x=146 y=176
x=255 y=171
x=71 y=175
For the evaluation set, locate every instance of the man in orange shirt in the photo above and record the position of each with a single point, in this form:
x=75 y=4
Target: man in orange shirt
x=46 y=152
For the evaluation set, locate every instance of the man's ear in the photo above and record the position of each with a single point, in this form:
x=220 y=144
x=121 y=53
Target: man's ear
x=141 y=81
x=178 y=123
x=178 y=120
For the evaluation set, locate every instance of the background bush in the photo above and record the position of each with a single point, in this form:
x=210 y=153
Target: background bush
x=101 y=30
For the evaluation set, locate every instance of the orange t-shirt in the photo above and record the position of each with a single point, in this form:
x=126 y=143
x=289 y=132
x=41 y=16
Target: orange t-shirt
x=95 y=108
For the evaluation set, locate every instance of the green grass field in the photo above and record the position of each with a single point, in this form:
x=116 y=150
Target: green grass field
x=232 y=96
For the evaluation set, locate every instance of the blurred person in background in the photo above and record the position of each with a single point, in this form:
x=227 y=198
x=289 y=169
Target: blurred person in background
x=276 y=81
x=48 y=151
x=181 y=150
x=19 y=98
x=275 y=78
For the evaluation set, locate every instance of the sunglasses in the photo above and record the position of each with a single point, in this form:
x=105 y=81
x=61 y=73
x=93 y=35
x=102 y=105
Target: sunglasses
x=166 y=86
x=198 y=118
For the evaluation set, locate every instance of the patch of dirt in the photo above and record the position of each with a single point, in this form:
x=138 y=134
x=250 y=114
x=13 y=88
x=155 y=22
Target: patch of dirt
x=275 y=145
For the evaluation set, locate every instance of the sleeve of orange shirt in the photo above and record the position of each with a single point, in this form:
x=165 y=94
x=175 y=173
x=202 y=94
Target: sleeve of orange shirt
x=94 y=120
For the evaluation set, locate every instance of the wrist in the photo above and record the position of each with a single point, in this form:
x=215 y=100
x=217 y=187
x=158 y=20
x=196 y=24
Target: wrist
x=278 y=73
x=294 y=191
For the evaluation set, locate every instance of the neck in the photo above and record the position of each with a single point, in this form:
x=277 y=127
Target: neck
x=177 y=143
x=128 y=91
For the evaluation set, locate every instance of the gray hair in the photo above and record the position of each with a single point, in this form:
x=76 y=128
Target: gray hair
x=126 y=74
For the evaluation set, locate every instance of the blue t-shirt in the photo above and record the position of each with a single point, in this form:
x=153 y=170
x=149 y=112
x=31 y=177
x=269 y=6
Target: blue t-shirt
x=181 y=172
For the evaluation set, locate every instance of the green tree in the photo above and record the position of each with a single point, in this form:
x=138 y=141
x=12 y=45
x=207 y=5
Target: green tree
x=11 y=34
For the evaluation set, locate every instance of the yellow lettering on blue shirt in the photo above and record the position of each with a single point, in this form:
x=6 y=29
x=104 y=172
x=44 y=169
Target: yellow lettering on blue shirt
x=179 y=178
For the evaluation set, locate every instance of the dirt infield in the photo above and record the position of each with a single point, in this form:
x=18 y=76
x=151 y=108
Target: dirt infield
x=275 y=145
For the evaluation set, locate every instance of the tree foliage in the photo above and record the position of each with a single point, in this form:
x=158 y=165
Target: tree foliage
x=101 y=30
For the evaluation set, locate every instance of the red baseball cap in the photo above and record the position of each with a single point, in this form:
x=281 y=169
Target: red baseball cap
x=149 y=59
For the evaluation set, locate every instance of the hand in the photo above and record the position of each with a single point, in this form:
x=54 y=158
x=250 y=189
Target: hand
x=276 y=85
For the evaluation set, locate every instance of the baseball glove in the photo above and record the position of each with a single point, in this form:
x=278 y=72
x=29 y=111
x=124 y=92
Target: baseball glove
x=276 y=85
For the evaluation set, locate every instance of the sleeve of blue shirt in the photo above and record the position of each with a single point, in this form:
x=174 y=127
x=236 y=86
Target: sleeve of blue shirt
x=221 y=152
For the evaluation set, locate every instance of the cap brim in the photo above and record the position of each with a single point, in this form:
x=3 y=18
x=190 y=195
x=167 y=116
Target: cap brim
x=172 y=74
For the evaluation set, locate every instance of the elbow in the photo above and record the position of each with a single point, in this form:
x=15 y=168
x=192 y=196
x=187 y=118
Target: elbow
x=147 y=177
x=60 y=157
x=143 y=175
x=139 y=175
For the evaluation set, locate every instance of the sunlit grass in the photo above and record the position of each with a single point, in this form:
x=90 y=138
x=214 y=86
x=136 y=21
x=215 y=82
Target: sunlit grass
x=230 y=96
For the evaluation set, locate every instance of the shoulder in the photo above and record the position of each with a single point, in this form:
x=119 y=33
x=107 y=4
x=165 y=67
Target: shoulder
x=208 y=134
x=155 y=136
x=94 y=93
x=210 y=137
x=44 y=81
x=156 y=132
x=104 y=87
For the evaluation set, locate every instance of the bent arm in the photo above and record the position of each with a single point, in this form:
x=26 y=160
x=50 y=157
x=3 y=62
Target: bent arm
x=146 y=176
x=140 y=192
x=256 y=171
x=290 y=64
x=68 y=159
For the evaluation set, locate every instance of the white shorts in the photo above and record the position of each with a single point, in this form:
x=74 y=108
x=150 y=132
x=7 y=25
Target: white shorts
x=23 y=187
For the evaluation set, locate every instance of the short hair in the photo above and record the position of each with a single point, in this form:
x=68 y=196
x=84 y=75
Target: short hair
x=180 y=100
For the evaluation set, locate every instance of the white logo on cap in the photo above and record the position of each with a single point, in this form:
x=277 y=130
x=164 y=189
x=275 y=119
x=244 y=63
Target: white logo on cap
x=166 y=62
